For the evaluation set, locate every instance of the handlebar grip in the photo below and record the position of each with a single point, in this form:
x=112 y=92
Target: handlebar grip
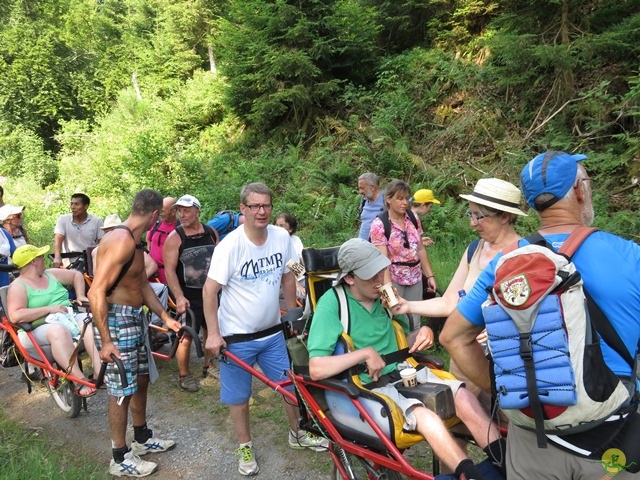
x=194 y=337
x=103 y=369
x=221 y=357
x=191 y=318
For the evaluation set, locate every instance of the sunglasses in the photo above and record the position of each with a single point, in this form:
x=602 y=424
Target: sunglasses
x=406 y=240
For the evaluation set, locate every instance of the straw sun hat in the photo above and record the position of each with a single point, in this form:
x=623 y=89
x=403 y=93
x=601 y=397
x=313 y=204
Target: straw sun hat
x=498 y=194
x=111 y=221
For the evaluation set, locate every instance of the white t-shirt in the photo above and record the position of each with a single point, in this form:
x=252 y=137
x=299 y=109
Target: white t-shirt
x=250 y=276
x=297 y=246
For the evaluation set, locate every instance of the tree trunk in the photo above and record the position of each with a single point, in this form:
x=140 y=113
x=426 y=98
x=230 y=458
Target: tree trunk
x=212 y=59
x=134 y=80
x=567 y=86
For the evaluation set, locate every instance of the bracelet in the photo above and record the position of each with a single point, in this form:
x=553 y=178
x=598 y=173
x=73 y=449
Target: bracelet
x=430 y=276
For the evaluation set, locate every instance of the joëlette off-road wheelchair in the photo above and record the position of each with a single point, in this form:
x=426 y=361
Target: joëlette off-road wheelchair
x=365 y=429
x=39 y=367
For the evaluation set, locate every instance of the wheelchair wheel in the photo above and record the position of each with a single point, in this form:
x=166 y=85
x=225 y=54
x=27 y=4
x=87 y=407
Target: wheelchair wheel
x=362 y=469
x=65 y=398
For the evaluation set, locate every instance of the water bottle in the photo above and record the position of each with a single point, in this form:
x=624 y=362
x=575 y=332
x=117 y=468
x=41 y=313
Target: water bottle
x=461 y=294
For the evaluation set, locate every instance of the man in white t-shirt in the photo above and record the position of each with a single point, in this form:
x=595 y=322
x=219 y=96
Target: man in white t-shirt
x=249 y=267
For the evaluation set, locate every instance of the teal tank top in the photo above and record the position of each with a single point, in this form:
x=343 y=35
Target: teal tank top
x=54 y=294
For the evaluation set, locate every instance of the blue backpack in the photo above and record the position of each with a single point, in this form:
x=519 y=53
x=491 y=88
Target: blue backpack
x=542 y=325
x=224 y=222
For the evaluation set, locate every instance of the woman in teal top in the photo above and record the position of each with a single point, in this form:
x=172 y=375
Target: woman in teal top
x=38 y=293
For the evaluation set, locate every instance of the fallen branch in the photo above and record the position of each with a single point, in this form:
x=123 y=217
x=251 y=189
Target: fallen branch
x=548 y=119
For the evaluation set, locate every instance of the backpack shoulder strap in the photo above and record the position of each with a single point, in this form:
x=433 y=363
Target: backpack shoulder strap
x=155 y=228
x=230 y=223
x=343 y=308
x=600 y=321
x=386 y=223
x=576 y=238
x=212 y=232
x=180 y=232
x=413 y=218
x=471 y=249
x=183 y=238
x=126 y=266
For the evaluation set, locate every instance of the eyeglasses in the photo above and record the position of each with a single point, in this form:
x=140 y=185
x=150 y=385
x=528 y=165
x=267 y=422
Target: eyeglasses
x=417 y=205
x=474 y=217
x=578 y=182
x=257 y=206
x=406 y=240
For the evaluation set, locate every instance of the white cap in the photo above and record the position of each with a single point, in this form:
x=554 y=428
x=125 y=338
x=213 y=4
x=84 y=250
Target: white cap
x=187 y=201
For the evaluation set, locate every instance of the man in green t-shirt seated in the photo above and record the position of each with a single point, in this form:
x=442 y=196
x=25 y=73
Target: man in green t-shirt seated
x=362 y=268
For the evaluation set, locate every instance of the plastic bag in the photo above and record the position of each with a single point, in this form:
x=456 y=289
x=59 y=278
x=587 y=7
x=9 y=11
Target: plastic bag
x=67 y=319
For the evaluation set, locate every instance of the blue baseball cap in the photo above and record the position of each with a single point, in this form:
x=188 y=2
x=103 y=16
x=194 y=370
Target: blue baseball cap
x=549 y=172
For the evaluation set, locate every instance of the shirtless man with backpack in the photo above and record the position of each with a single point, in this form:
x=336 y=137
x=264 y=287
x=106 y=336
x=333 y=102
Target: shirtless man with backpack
x=118 y=292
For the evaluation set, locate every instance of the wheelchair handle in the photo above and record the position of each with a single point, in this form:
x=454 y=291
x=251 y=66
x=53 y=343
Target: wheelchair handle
x=190 y=318
x=103 y=369
x=221 y=356
x=194 y=337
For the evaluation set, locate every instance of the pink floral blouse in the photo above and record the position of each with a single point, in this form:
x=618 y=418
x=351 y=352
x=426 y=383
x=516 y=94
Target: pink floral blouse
x=405 y=266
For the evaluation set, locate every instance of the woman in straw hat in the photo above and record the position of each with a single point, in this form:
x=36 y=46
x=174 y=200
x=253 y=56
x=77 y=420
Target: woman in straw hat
x=403 y=246
x=36 y=296
x=494 y=208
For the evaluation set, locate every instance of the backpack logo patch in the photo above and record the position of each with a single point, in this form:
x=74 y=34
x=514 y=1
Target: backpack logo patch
x=516 y=290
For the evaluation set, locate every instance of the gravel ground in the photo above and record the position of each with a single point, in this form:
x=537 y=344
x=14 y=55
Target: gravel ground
x=198 y=423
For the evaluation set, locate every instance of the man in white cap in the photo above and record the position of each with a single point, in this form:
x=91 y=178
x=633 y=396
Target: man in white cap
x=187 y=256
x=558 y=187
x=362 y=268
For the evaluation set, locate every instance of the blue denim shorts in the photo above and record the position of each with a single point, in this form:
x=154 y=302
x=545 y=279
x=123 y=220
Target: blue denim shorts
x=269 y=353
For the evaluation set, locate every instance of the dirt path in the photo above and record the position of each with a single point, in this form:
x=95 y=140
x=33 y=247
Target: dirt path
x=198 y=423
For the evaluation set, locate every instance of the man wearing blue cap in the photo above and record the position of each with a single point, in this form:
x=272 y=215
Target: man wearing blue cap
x=558 y=187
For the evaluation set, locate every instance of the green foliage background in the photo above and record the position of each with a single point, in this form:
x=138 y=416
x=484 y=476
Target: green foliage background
x=203 y=96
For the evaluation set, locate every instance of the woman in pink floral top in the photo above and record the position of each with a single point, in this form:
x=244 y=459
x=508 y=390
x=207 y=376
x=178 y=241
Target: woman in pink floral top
x=404 y=248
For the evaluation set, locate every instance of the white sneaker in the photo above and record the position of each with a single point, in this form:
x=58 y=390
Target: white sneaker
x=304 y=439
x=132 y=466
x=247 y=464
x=153 y=445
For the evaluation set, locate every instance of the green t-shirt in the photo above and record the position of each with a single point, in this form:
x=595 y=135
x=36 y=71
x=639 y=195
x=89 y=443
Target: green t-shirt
x=368 y=329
